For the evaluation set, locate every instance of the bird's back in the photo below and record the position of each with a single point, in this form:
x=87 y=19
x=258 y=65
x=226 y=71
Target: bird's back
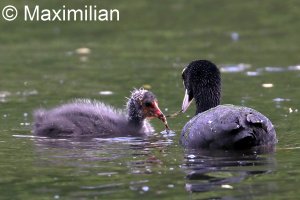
x=228 y=127
x=82 y=117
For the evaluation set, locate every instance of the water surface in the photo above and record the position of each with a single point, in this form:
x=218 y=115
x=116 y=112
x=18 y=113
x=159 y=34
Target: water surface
x=254 y=43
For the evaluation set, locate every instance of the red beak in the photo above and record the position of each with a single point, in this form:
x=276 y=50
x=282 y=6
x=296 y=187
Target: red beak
x=160 y=115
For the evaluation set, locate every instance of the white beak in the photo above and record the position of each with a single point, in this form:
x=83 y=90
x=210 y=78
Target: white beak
x=186 y=103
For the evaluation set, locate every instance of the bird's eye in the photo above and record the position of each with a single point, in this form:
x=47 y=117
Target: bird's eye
x=148 y=104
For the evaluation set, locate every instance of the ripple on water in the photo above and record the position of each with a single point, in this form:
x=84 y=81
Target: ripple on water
x=215 y=170
x=107 y=173
x=235 y=68
x=26 y=93
x=106 y=93
x=274 y=69
x=104 y=186
x=280 y=99
x=29 y=136
x=253 y=73
x=294 y=68
x=4 y=95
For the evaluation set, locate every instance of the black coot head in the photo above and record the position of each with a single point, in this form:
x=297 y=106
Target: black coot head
x=202 y=82
x=147 y=104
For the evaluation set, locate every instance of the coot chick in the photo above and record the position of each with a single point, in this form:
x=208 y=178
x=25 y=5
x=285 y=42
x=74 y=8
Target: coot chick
x=93 y=118
x=217 y=126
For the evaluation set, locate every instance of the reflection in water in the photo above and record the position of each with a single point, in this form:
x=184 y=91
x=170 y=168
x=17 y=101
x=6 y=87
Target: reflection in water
x=100 y=149
x=98 y=166
x=208 y=170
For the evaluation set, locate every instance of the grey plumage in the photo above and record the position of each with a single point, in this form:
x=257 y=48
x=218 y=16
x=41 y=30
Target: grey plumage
x=84 y=117
x=228 y=127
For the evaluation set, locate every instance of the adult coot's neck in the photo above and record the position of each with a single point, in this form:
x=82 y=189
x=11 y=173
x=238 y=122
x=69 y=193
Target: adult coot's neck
x=202 y=82
x=206 y=98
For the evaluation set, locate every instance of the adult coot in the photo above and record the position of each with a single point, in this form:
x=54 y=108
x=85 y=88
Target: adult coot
x=93 y=118
x=219 y=126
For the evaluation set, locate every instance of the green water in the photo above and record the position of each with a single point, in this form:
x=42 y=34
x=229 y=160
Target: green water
x=150 y=45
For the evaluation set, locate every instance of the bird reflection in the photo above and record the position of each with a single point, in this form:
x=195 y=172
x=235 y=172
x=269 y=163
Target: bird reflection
x=91 y=151
x=208 y=170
